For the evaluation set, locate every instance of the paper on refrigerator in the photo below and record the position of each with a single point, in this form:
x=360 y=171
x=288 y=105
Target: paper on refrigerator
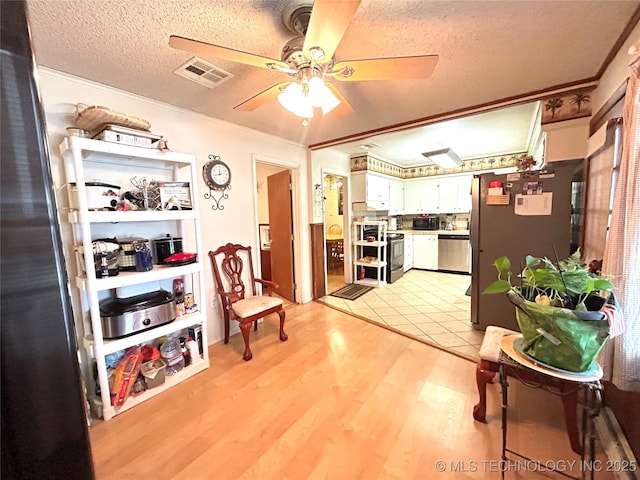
x=533 y=204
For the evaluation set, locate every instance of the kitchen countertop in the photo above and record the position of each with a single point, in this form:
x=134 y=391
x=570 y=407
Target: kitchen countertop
x=433 y=232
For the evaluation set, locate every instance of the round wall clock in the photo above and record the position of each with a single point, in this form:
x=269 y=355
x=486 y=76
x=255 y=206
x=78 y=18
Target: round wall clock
x=217 y=174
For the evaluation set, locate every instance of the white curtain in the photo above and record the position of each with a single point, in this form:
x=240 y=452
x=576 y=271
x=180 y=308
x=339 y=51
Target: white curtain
x=622 y=251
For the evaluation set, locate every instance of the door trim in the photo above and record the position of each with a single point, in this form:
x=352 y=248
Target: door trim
x=294 y=170
x=346 y=221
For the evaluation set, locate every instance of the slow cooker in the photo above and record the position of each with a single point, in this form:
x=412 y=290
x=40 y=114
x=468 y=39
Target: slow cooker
x=124 y=316
x=166 y=246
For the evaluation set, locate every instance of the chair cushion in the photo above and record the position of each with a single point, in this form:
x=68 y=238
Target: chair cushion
x=250 y=306
x=490 y=349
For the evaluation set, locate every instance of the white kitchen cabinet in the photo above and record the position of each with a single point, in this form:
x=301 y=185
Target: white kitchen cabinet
x=448 y=195
x=430 y=196
x=425 y=251
x=464 y=193
x=437 y=195
x=359 y=259
x=370 y=189
x=377 y=188
x=85 y=159
x=396 y=196
x=412 y=190
x=408 y=252
x=454 y=194
x=421 y=196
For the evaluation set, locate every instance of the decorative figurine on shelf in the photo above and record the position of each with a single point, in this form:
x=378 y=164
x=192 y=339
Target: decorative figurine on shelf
x=525 y=162
x=145 y=194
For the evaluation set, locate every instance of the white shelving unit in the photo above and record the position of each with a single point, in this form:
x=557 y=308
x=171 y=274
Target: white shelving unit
x=84 y=159
x=380 y=263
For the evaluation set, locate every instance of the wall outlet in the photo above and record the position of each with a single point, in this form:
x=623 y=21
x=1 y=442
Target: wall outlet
x=214 y=301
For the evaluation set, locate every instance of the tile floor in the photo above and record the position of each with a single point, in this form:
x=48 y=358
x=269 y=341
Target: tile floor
x=431 y=306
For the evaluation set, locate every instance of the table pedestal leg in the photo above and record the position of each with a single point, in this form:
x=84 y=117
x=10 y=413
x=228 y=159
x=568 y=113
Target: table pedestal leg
x=503 y=385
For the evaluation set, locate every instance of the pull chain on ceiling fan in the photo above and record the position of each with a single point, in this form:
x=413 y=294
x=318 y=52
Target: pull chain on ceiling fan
x=310 y=59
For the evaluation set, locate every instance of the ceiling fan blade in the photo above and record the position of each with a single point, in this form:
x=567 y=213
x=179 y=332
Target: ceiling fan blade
x=397 y=68
x=329 y=20
x=260 y=99
x=344 y=107
x=209 y=50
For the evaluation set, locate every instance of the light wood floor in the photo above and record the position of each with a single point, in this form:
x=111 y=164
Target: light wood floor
x=341 y=399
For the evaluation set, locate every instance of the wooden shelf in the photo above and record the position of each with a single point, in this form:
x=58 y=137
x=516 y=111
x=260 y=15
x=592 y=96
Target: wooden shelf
x=498 y=199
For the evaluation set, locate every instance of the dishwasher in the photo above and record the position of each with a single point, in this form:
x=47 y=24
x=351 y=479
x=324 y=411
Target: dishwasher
x=454 y=253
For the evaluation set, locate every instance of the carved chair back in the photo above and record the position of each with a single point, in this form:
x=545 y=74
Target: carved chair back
x=230 y=260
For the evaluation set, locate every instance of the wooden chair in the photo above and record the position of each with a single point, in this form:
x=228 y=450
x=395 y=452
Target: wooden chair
x=335 y=254
x=334 y=229
x=237 y=303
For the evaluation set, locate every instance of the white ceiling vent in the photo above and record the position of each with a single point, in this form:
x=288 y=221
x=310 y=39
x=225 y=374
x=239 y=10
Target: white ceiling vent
x=202 y=72
x=369 y=146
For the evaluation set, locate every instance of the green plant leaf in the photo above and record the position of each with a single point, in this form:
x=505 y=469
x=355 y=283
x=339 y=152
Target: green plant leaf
x=502 y=264
x=588 y=288
x=531 y=261
x=498 y=286
x=577 y=281
x=602 y=284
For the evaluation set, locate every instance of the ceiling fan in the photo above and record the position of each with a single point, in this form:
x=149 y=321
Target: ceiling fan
x=309 y=58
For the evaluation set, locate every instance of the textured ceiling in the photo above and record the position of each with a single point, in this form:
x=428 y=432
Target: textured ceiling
x=489 y=50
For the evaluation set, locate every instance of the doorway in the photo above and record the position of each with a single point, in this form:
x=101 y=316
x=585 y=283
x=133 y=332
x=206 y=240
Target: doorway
x=335 y=230
x=275 y=195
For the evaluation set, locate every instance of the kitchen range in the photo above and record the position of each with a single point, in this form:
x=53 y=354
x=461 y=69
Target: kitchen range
x=426 y=242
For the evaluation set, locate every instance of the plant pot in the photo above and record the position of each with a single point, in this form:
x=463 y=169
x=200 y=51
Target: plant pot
x=559 y=337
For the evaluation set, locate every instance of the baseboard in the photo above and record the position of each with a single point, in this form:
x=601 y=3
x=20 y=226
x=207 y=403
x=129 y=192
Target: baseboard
x=621 y=459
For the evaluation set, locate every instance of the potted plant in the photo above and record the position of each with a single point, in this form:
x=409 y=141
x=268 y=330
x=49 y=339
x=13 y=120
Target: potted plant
x=557 y=309
x=570 y=284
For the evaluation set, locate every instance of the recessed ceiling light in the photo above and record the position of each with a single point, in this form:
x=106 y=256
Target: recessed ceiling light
x=445 y=158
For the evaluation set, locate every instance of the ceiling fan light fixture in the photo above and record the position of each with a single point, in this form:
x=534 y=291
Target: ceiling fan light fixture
x=301 y=100
x=321 y=96
x=304 y=109
x=316 y=53
x=288 y=98
x=445 y=158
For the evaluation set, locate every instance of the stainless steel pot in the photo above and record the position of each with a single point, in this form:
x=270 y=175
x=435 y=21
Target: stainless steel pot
x=166 y=246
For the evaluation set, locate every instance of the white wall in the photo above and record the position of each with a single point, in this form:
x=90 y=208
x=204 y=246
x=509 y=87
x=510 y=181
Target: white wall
x=194 y=133
x=616 y=73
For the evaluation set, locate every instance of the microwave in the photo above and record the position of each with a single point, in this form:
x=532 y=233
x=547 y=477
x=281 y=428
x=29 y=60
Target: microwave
x=425 y=223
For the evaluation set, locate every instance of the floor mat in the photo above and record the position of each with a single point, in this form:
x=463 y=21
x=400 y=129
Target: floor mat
x=351 y=292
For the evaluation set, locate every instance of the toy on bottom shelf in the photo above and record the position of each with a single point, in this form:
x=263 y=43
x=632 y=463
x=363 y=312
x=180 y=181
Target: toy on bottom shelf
x=125 y=376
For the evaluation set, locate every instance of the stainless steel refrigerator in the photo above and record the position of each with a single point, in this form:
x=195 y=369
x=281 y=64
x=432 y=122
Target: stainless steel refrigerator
x=44 y=424
x=532 y=217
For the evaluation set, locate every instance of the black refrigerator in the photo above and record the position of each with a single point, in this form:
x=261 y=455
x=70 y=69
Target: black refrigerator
x=44 y=424
x=533 y=217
